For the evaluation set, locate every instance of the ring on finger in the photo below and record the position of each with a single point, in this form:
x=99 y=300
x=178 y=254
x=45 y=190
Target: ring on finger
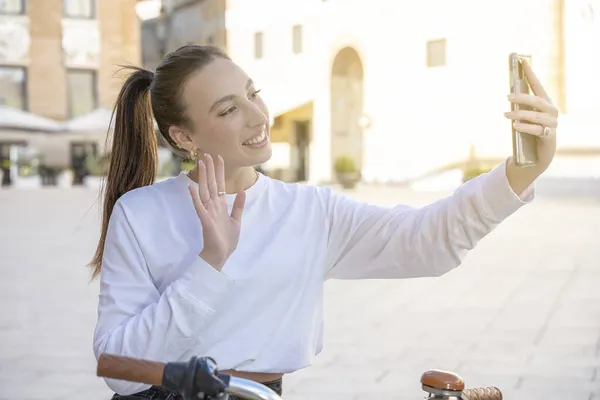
x=545 y=131
x=222 y=193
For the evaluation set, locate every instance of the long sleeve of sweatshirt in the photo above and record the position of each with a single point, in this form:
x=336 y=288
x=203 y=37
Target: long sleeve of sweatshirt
x=368 y=241
x=134 y=318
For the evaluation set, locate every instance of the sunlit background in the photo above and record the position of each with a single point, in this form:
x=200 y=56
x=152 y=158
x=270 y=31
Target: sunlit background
x=406 y=96
x=396 y=90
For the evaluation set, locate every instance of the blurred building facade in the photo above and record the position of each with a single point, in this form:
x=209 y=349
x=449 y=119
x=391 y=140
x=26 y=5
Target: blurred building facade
x=58 y=58
x=183 y=22
x=403 y=89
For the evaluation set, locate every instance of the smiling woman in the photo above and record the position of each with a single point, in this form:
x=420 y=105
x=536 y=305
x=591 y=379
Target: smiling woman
x=228 y=263
x=203 y=103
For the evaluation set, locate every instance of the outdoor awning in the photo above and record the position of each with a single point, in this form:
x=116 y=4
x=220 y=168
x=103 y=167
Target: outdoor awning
x=52 y=139
x=98 y=120
x=18 y=126
x=280 y=102
x=19 y=120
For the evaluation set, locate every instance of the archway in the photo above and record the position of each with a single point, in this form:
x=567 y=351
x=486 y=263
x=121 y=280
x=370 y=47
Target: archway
x=347 y=106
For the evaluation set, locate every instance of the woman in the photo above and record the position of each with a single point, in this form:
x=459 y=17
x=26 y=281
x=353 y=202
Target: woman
x=228 y=263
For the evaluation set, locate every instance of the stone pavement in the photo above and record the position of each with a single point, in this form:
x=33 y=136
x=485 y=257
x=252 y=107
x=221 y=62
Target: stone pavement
x=522 y=313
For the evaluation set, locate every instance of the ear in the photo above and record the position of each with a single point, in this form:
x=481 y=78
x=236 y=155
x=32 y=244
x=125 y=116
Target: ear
x=181 y=137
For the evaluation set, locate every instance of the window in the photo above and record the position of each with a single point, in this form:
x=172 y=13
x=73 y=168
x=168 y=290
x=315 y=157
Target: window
x=258 y=45
x=297 y=39
x=79 y=8
x=12 y=6
x=436 y=53
x=82 y=95
x=13 y=88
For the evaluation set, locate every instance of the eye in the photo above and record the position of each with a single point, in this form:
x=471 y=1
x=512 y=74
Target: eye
x=255 y=93
x=228 y=111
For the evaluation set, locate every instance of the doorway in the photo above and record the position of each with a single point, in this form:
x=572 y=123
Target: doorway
x=347 y=106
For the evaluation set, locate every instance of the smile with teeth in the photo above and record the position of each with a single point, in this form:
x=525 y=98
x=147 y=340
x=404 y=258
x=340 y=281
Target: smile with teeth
x=256 y=139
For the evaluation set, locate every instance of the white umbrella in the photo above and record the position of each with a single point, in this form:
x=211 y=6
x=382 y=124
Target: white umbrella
x=14 y=119
x=33 y=131
x=98 y=120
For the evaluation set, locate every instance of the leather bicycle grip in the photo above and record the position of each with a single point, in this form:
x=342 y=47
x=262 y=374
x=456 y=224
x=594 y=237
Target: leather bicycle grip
x=483 y=393
x=130 y=369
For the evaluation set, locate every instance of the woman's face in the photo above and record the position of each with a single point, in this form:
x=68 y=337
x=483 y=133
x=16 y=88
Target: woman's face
x=228 y=116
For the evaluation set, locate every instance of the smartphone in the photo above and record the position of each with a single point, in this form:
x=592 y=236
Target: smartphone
x=524 y=145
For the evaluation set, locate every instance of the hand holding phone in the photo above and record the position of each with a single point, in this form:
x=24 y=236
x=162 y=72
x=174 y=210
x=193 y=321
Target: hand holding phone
x=524 y=145
x=535 y=119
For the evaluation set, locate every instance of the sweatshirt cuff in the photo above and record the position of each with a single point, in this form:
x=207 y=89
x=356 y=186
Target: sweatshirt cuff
x=204 y=285
x=499 y=199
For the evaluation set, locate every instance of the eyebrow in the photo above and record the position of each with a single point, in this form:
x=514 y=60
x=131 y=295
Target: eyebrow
x=223 y=99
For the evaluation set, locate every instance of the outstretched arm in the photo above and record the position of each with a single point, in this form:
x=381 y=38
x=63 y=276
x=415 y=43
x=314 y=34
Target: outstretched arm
x=368 y=241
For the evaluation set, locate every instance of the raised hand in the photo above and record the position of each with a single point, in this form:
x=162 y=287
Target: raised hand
x=541 y=122
x=220 y=230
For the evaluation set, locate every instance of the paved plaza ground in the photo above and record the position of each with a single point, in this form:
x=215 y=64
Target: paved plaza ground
x=522 y=313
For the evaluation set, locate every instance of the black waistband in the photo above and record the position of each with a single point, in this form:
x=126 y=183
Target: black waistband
x=278 y=380
x=275 y=385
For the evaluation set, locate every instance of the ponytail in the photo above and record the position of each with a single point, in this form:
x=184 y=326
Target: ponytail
x=134 y=150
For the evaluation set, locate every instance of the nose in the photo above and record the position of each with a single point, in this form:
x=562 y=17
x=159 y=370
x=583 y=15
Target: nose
x=256 y=116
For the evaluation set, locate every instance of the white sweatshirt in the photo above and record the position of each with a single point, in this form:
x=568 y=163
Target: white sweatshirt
x=263 y=311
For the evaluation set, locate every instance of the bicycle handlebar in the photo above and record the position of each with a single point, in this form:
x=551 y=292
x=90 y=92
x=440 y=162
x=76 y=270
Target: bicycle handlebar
x=484 y=393
x=195 y=379
x=199 y=379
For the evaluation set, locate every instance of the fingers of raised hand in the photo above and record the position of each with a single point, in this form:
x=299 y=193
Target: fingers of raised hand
x=534 y=82
x=202 y=184
x=532 y=129
x=536 y=117
x=220 y=174
x=537 y=102
x=238 y=206
x=198 y=204
x=210 y=177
